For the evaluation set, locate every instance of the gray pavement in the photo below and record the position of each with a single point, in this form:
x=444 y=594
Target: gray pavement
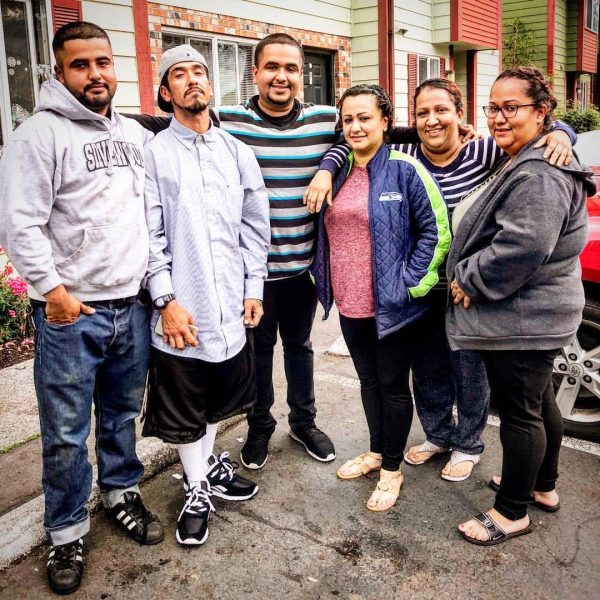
x=307 y=535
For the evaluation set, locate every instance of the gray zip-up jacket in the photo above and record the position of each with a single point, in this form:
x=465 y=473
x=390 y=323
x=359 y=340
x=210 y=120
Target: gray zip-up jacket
x=516 y=254
x=72 y=201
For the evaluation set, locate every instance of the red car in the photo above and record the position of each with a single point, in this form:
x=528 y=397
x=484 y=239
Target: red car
x=577 y=368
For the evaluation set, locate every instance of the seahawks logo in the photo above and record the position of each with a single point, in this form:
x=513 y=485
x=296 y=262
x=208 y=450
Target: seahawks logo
x=390 y=197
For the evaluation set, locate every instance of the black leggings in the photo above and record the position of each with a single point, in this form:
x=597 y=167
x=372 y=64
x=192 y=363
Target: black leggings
x=383 y=369
x=531 y=427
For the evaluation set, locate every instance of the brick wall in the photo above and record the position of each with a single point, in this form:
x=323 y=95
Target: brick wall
x=162 y=15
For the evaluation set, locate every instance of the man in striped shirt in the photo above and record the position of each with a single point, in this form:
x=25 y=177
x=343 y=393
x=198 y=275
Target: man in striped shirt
x=289 y=139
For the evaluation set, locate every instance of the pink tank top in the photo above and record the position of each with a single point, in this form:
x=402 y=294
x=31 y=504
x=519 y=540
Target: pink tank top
x=347 y=224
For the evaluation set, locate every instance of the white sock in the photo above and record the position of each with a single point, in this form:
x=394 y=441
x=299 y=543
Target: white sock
x=193 y=461
x=208 y=441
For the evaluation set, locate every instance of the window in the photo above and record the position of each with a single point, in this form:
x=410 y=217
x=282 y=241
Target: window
x=592 y=15
x=428 y=68
x=24 y=60
x=230 y=64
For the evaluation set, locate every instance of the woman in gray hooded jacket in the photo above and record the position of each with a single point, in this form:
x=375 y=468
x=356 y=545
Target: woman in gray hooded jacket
x=518 y=297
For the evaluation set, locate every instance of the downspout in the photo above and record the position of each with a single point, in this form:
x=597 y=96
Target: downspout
x=385 y=19
x=142 y=53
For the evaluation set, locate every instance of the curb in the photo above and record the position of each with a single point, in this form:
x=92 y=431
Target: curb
x=22 y=528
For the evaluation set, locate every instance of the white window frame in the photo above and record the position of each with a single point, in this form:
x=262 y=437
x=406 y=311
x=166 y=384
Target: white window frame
x=431 y=60
x=214 y=75
x=591 y=19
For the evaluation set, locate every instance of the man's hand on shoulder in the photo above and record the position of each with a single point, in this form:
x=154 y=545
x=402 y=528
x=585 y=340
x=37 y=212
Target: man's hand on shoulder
x=63 y=308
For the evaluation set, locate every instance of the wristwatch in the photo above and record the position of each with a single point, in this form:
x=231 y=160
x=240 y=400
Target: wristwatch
x=162 y=301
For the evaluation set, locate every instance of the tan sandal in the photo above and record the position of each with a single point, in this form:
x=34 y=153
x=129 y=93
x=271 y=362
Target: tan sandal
x=387 y=491
x=359 y=466
x=418 y=455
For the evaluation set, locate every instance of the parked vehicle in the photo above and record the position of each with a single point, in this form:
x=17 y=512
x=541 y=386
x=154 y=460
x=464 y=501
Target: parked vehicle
x=577 y=368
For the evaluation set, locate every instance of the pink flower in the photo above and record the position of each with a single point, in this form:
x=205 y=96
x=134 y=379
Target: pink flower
x=17 y=286
x=8 y=269
x=12 y=313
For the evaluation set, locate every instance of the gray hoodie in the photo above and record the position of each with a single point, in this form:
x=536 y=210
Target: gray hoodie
x=72 y=201
x=516 y=254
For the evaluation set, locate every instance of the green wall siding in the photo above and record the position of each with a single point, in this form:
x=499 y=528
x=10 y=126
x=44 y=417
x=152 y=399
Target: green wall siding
x=534 y=16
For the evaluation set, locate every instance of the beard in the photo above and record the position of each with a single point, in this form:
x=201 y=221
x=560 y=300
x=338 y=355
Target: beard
x=94 y=102
x=193 y=106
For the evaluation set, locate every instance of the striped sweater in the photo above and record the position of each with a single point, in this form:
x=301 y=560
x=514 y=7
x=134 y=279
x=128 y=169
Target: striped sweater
x=288 y=152
x=474 y=163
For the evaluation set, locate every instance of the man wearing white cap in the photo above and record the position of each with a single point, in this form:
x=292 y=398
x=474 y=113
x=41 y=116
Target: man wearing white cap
x=208 y=221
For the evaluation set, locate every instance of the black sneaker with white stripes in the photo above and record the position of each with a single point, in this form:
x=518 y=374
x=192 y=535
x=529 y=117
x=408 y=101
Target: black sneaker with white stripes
x=139 y=523
x=225 y=482
x=65 y=567
x=192 y=522
x=315 y=442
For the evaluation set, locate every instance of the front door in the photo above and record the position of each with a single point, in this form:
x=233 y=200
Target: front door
x=318 y=78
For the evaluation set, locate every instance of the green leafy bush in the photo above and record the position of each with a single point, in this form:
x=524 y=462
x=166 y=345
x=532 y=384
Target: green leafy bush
x=14 y=305
x=579 y=120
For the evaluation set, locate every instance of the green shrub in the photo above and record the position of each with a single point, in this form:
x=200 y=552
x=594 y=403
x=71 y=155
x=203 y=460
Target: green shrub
x=579 y=120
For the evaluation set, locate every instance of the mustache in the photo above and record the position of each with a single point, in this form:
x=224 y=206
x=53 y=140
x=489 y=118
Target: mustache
x=194 y=89
x=91 y=85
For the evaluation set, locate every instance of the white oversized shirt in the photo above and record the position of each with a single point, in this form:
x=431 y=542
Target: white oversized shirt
x=208 y=218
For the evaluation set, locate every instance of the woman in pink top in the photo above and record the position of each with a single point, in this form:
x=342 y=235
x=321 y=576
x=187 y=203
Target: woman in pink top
x=379 y=247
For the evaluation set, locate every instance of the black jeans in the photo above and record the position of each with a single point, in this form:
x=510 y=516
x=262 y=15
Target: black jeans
x=531 y=427
x=383 y=369
x=290 y=306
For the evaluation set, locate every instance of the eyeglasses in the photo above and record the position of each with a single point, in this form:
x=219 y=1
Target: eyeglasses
x=508 y=112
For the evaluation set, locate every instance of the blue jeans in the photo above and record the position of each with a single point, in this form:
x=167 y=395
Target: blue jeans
x=443 y=378
x=101 y=358
x=290 y=305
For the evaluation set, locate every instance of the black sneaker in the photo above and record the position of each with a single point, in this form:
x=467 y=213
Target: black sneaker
x=255 y=451
x=139 y=523
x=65 y=567
x=192 y=522
x=225 y=482
x=316 y=443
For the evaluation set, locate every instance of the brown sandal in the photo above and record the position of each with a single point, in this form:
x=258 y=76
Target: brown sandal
x=357 y=467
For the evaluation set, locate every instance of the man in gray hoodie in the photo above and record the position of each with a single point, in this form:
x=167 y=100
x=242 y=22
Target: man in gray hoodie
x=72 y=221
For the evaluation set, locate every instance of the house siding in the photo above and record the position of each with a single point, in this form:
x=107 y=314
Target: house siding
x=488 y=67
x=560 y=51
x=534 y=16
x=475 y=22
x=365 y=49
x=116 y=17
x=331 y=16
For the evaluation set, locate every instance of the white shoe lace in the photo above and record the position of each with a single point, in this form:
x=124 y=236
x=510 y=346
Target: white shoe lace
x=197 y=501
x=224 y=466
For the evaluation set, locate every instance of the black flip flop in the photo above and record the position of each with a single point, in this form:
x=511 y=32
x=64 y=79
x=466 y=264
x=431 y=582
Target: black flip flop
x=545 y=507
x=496 y=534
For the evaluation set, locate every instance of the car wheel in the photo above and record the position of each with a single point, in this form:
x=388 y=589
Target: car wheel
x=576 y=378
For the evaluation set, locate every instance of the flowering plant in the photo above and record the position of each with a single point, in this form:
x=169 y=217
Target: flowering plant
x=14 y=305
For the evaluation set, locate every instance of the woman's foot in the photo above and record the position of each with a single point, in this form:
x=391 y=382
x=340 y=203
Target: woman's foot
x=460 y=466
x=544 y=500
x=417 y=455
x=387 y=491
x=359 y=466
x=475 y=531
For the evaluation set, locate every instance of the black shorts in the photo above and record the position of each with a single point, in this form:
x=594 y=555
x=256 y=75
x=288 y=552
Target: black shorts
x=184 y=394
